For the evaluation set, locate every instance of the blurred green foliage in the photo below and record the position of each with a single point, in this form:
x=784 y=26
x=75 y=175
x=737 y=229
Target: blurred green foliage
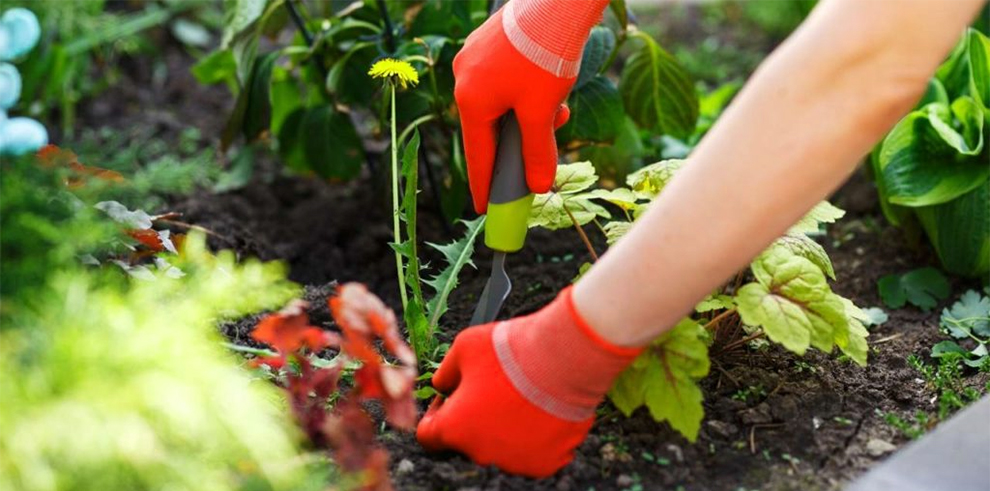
x=115 y=383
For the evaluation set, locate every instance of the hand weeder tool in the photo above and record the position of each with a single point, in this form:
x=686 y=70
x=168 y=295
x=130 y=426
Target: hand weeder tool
x=509 y=202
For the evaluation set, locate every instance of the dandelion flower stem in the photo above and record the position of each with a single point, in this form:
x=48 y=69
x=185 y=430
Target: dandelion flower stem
x=395 y=204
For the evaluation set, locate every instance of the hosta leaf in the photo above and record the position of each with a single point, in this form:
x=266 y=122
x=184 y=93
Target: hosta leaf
x=616 y=230
x=651 y=179
x=960 y=124
x=657 y=92
x=596 y=51
x=923 y=287
x=806 y=247
x=968 y=317
x=960 y=231
x=823 y=212
x=919 y=167
x=596 y=112
x=791 y=301
x=664 y=379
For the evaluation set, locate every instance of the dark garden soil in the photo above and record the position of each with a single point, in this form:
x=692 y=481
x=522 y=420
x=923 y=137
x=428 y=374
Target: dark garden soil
x=811 y=424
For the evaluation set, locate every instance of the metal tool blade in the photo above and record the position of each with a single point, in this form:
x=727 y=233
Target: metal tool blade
x=496 y=291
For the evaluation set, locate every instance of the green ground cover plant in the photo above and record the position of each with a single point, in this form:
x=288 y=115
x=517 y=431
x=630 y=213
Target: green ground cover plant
x=788 y=299
x=932 y=166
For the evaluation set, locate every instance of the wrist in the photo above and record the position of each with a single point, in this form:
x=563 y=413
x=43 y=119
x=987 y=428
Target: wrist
x=557 y=362
x=552 y=33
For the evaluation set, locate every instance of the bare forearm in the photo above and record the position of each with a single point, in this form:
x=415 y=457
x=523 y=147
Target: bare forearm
x=795 y=132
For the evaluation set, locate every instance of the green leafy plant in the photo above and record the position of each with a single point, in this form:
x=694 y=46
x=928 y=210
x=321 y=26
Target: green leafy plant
x=923 y=288
x=788 y=301
x=932 y=165
x=968 y=320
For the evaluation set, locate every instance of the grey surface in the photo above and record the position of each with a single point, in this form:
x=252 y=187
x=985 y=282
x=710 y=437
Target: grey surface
x=508 y=175
x=954 y=457
x=496 y=291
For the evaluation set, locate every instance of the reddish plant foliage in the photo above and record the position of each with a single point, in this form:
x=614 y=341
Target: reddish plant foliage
x=347 y=431
x=52 y=156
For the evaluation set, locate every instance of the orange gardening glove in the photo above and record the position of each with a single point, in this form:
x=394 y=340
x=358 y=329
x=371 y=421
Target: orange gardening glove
x=525 y=58
x=523 y=392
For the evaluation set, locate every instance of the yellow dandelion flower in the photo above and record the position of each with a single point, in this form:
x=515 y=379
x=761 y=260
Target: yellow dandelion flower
x=398 y=72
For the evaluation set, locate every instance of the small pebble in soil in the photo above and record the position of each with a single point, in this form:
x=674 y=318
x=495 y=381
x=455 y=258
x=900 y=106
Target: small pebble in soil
x=721 y=428
x=611 y=453
x=877 y=447
x=405 y=467
x=676 y=451
x=624 y=481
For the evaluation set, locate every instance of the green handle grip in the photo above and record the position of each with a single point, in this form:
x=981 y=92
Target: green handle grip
x=509 y=200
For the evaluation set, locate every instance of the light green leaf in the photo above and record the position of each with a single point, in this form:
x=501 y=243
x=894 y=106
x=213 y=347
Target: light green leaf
x=616 y=230
x=923 y=287
x=596 y=112
x=806 y=247
x=456 y=254
x=964 y=113
x=597 y=49
x=823 y=212
x=791 y=301
x=657 y=92
x=664 y=379
x=875 y=316
x=622 y=197
x=714 y=302
x=651 y=179
x=851 y=336
x=550 y=210
x=968 y=317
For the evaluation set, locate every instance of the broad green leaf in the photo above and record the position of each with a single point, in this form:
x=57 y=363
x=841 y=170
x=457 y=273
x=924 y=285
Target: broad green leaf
x=960 y=125
x=657 y=92
x=119 y=213
x=664 y=379
x=806 y=247
x=550 y=210
x=597 y=49
x=218 y=66
x=239 y=15
x=284 y=97
x=714 y=302
x=918 y=167
x=851 y=336
x=622 y=197
x=935 y=93
x=923 y=288
x=960 y=231
x=650 y=180
x=596 y=112
x=456 y=254
x=970 y=316
x=967 y=71
x=257 y=114
x=823 y=212
x=791 y=301
x=323 y=141
x=616 y=230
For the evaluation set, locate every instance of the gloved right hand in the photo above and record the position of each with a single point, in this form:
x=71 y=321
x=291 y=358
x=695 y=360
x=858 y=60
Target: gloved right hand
x=525 y=58
x=523 y=392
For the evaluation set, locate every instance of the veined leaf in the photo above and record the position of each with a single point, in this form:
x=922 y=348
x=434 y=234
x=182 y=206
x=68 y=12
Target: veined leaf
x=456 y=254
x=791 y=301
x=622 y=197
x=714 y=302
x=651 y=179
x=960 y=231
x=823 y=212
x=616 y=230
x=597 y=49
x=657 y=92
x=968 y=317
x=806 y=247
x=664 y=379
x=550 y=210
x=964 y=113
x=596 y=112
x=851 y=337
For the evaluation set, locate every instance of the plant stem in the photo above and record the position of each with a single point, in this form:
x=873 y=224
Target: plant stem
x=584 y=236
x=740 y=342
x=714 y=322
x=395 y=206
x=412 y=126
x=290 y=5
x=389 y=30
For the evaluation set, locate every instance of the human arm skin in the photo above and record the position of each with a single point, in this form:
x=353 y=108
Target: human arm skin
x=811 y=111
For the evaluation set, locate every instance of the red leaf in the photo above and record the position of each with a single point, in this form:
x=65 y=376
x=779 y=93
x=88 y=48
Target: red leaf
x=51 y=156
x=148 y=237
x=289 y=330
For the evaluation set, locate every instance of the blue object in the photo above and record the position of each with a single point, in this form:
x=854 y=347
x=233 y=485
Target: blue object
x=22 y=33
x=10 y=86
x=19 y=136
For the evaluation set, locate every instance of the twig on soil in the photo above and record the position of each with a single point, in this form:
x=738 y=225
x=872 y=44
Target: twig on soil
x=723 y=371
x=584 y=236
x=190 y=226
x=736 y=344
x=752 y=433
x=715 y=321
x=888 y=338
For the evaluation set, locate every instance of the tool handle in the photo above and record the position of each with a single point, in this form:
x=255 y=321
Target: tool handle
x=509 y=200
